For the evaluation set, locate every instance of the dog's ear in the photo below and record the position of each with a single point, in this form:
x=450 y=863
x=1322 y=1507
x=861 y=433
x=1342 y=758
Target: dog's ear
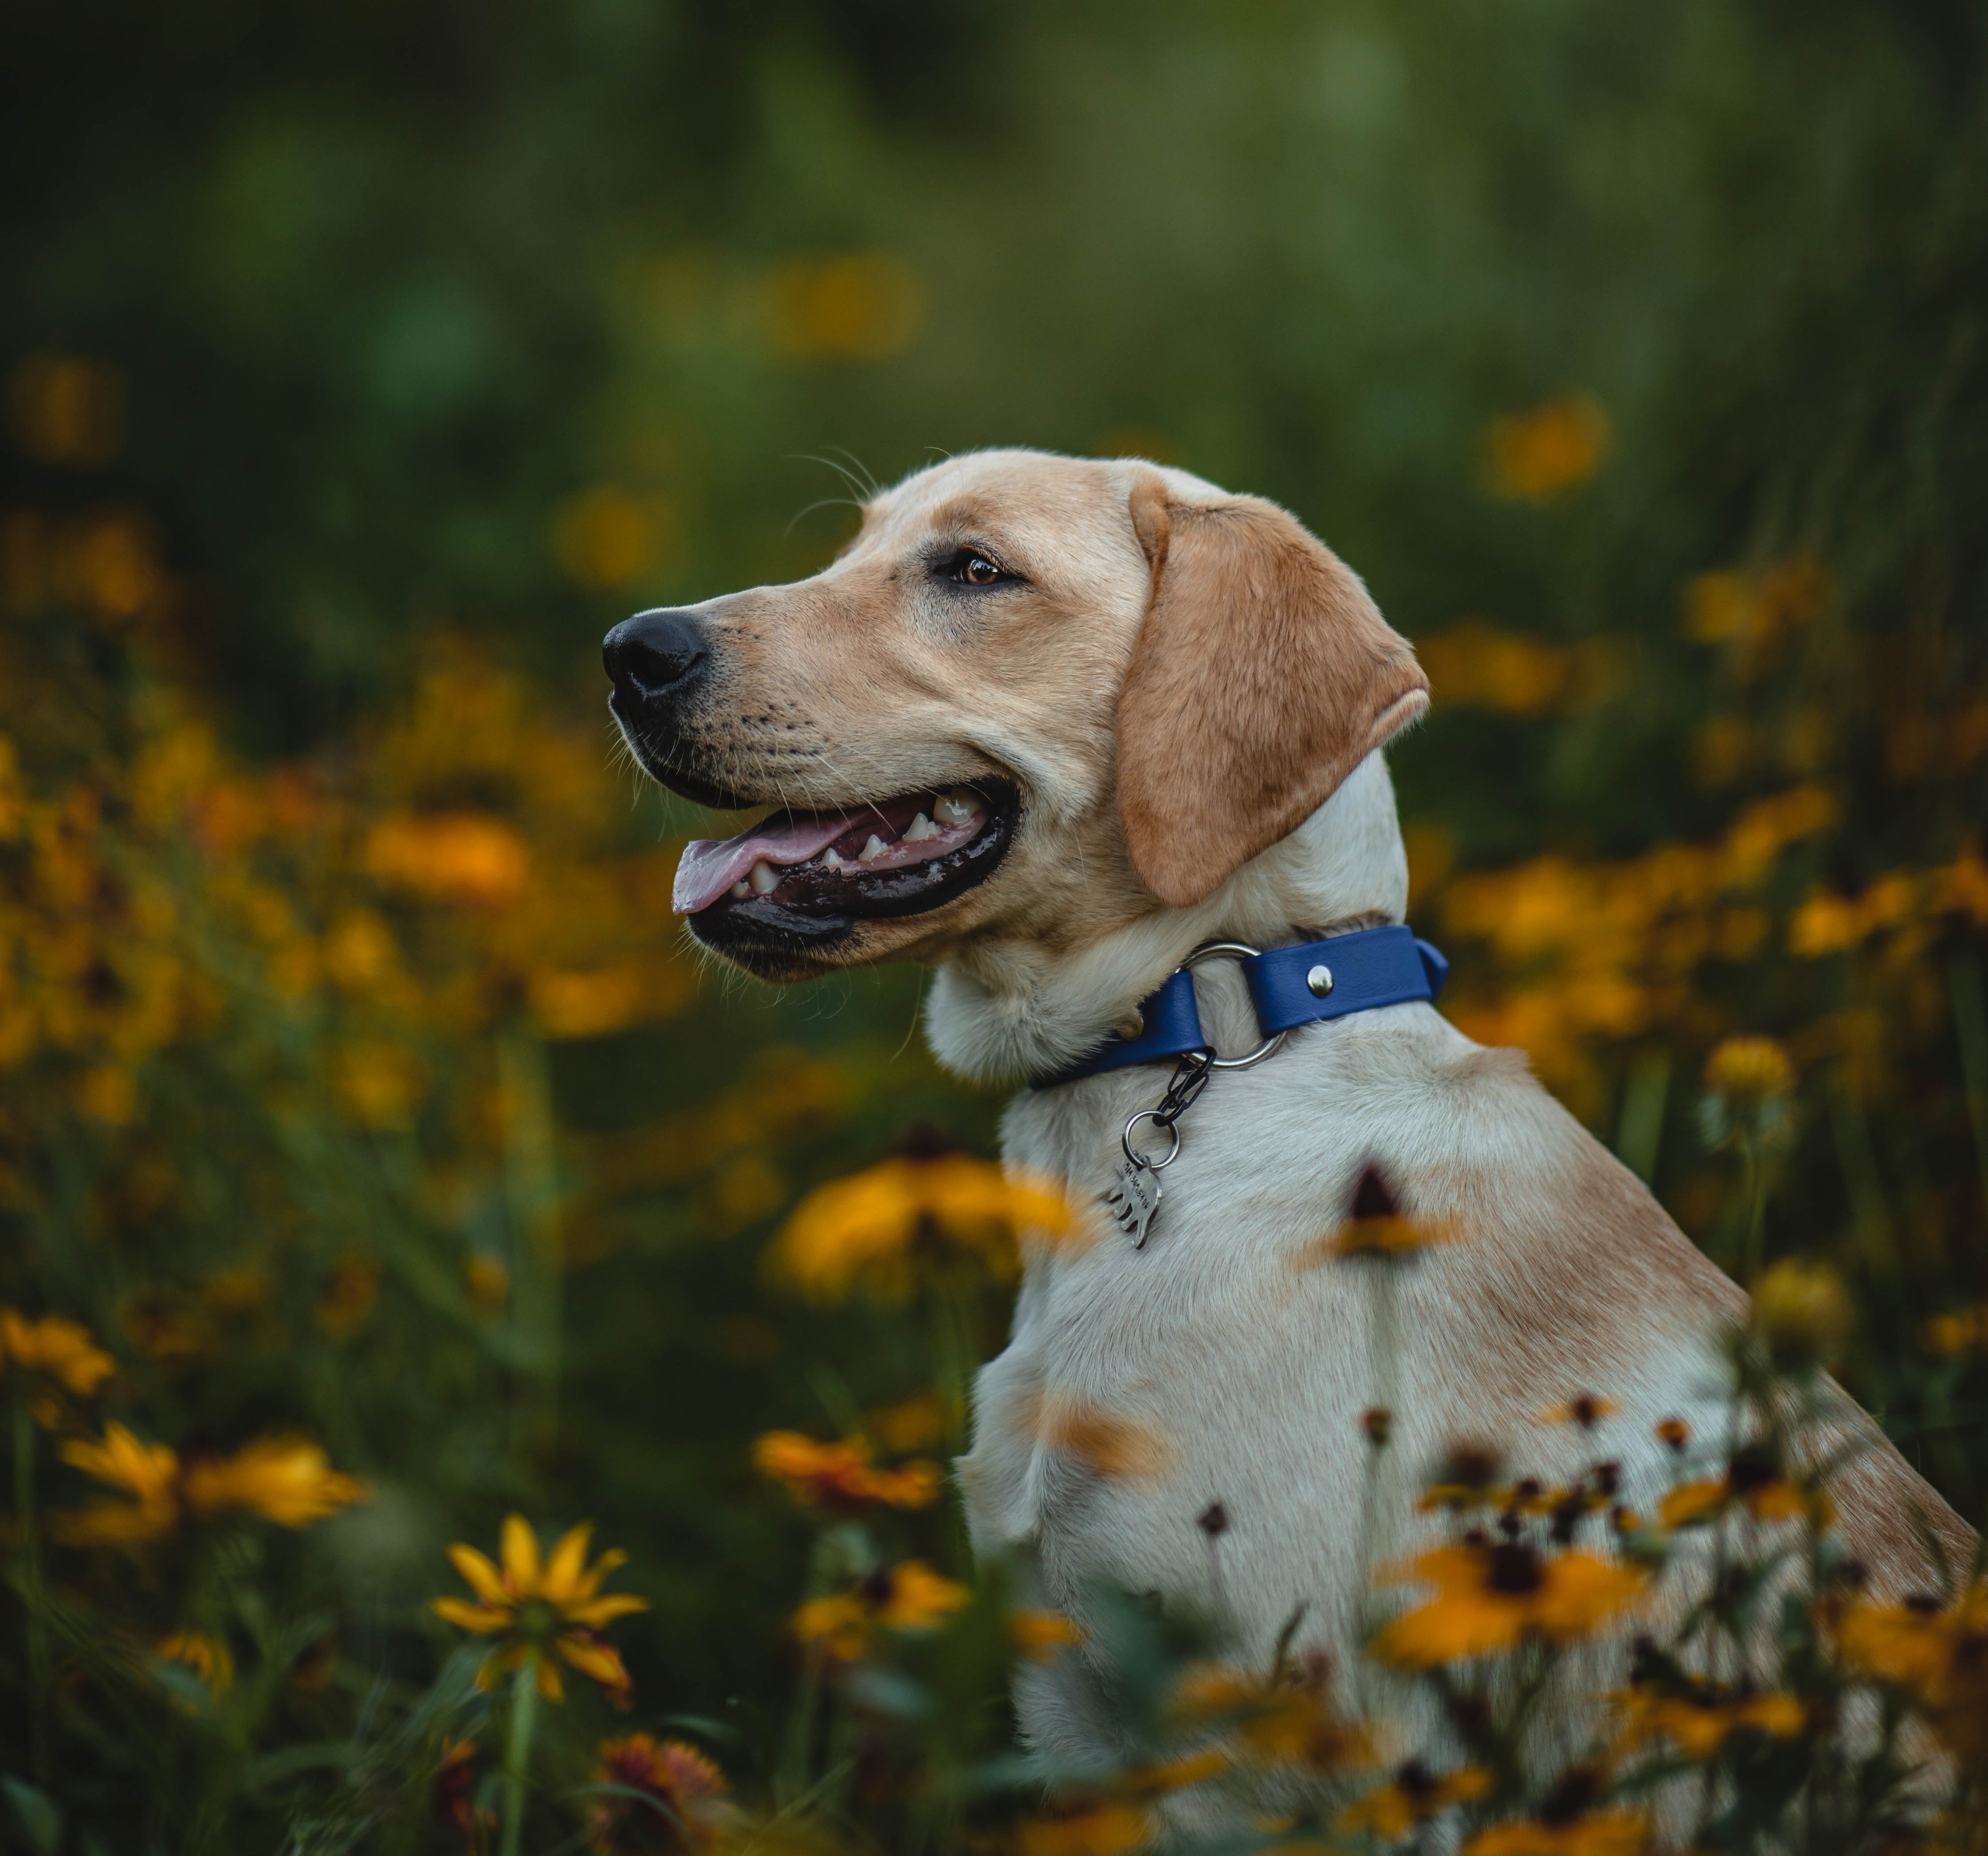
x=1263 y=676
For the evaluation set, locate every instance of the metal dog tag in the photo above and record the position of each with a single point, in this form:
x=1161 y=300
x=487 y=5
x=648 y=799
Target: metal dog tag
x=1135 y=1199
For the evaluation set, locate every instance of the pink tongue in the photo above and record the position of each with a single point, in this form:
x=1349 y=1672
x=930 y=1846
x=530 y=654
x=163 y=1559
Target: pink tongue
x=709 y=866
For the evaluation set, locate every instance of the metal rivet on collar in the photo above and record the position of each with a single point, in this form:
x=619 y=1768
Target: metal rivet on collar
x=1132 y=1025
x=1318 y=981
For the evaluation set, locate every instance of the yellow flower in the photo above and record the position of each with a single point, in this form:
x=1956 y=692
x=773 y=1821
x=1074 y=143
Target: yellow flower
x=1753 y=1481
x=1039 y=1635
x=62 y=1350
x=288 y=1480
x=1101 y=1826
x=1584 y=1409
x=1602 y=1833
x=1540 y=455
x=207 y=1657
x=1491 y=1597
x=1938 y=1656
x=149 y=1473
x=537 y=1606
x=1749 y=1069
x=1803 y=1312
x=1288 y=1719
x=1947 y=1336
x=677 y=1802
x=840 y=1476
x=1374 y=1227
x=911 y=1217
x=908 y=1598
x=1411 y=1799
x=1700 y=1720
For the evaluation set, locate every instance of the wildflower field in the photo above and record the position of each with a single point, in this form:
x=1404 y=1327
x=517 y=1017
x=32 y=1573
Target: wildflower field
x=477 y=1380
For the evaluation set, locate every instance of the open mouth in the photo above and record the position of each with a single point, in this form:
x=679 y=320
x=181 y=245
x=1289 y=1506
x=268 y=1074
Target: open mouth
x=809 y=877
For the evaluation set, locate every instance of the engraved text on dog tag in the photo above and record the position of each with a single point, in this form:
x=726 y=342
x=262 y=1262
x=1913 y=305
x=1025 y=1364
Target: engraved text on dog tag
x=1134 y=1199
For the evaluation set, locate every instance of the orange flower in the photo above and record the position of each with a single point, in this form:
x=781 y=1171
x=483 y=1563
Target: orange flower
x=1491 y=1597
x=908 y=1598
x=678 y=1805
x=1105 y=1443
x=537 y=1608
x=840 y=1476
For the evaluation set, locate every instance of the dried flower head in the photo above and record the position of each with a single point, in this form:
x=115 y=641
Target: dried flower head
x=1748 y=1070
x=667 y=1799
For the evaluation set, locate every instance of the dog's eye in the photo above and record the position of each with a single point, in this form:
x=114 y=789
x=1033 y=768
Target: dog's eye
x=971 y=568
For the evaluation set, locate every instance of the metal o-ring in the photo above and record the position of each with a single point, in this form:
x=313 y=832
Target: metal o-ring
x=1232 y=950
x=1125 y=1141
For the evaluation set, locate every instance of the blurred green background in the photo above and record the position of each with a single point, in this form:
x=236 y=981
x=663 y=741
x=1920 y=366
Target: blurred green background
x=366 y=362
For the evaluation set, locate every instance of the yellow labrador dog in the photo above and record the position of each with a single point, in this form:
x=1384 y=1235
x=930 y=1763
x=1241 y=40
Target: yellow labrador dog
x=1049 y=725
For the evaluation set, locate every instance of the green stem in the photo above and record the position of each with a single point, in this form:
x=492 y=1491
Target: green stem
x=518 y=1753
x=1757 y=1207
x=31 y=1585
x=531 y=1191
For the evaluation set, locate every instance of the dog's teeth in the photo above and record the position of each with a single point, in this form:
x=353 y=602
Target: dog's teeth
x=954 y=809
x=919 y=829
x=831 y=859
x=875 y=848
x=764 y=878
x=741 y=889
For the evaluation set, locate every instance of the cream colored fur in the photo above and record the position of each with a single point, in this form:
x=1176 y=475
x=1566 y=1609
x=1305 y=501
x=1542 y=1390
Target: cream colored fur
x=1250 y=1370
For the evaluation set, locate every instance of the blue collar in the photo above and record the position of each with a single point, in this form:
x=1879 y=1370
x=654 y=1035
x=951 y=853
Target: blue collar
x=1290 y=986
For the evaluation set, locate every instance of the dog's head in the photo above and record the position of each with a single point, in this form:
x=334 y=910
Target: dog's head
x=1036 y=697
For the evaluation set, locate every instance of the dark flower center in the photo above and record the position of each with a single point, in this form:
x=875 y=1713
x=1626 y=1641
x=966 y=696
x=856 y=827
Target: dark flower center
x=1513 y=1568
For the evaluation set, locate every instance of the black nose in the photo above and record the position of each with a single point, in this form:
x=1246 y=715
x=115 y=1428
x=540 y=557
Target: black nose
x=654 y=653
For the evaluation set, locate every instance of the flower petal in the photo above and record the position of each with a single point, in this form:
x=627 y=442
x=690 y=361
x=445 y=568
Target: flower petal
x=518 y=1548
x=598 y=1661
x=478 y=1575
x=598 y=1611
x=564 y=1570
x=481 y=1618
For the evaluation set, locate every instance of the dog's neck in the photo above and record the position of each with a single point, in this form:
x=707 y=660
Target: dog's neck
x=1005 y=1008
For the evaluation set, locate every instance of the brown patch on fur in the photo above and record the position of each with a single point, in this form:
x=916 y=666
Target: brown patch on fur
x=1263 y=677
